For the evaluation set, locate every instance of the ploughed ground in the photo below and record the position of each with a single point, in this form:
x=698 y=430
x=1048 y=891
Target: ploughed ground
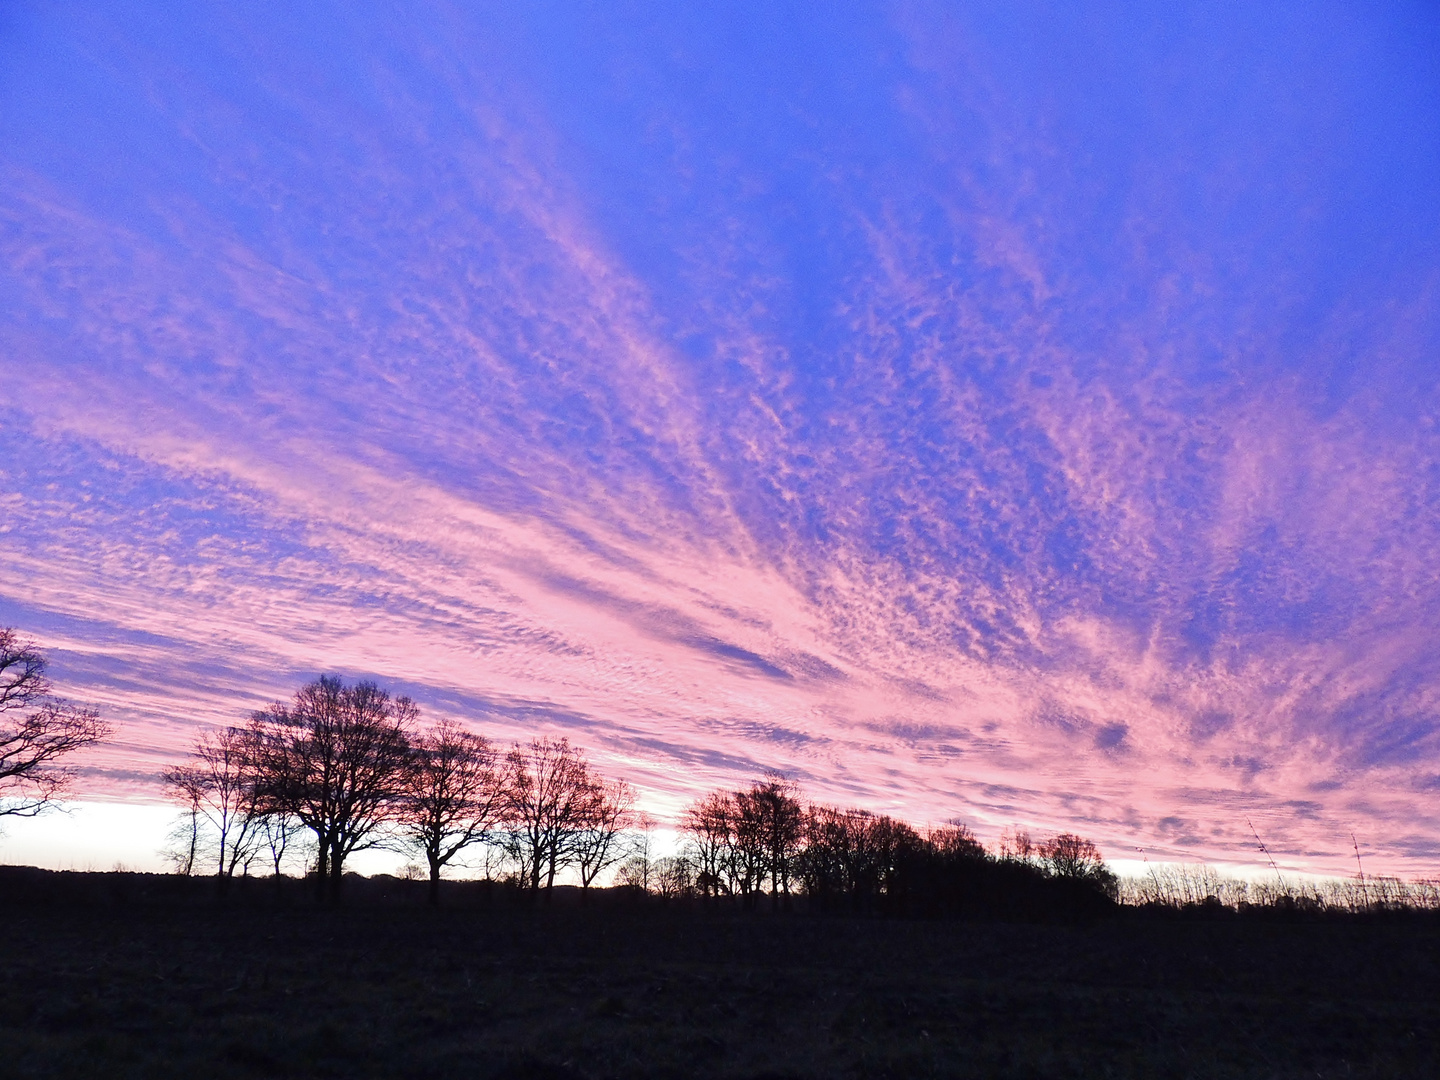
x=120 y=975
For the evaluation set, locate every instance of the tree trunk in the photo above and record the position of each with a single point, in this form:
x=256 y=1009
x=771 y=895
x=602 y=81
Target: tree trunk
x=322 y=866
x=337 y=868
x=434 y=883
x=194 y=841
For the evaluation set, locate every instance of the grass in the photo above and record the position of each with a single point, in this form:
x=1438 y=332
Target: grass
x=132 y=989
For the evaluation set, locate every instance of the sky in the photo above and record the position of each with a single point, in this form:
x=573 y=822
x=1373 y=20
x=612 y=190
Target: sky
x=1012 y=413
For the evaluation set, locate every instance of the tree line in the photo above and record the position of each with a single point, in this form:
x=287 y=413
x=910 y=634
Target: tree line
x=340 y=769
x=763 y=839
x=349 y=768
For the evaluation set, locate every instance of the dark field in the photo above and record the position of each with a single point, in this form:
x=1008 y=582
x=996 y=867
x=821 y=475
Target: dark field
x=124 y=982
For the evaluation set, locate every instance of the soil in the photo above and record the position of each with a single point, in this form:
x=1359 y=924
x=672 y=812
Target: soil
x=123 y=976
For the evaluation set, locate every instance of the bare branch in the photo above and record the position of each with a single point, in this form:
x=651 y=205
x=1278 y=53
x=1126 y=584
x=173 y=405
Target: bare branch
x=548 y=786
x=606 y=814
x=22 y=672
x=336 y=760
x=33 y=743
x=454 y=796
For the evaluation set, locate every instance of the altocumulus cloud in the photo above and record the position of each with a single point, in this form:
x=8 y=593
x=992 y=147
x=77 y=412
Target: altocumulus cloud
x=1005 y=415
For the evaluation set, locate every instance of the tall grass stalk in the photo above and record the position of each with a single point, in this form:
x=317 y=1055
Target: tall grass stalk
x=1179 y=885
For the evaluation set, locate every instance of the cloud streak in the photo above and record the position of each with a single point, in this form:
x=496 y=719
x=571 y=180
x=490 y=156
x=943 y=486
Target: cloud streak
x=968 y=434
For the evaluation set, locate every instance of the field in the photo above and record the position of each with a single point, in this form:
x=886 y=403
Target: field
x=112 y=978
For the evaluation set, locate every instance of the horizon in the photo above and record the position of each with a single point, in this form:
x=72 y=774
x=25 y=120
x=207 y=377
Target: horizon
x=90 y=837
x=1019 y=417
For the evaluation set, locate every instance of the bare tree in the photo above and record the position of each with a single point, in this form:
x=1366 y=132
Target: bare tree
x=955 y=840
x=1071 y=856
x=635 y=870
x=892 y=844
x=182 y=843
x=774 y=822
x=1016 y=845
x=837 y=858
x=278 y=832
x=336 y=760
x=548 y=786
x=36 y=731
x=749 y=856
x=709 y=825
x=856 y=853
x=605 y=815
x=674 y=877
x=218 y=785
x=741 y=840
x=454 y=796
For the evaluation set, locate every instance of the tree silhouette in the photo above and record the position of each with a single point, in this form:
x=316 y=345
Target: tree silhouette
x=454 y=795
x=219 y=790
x=634 y=872
x=548 y=788
x=740 y=842
x=956 y=841
x=182 y=844
x=1076 y=859
x=674 y=877
x=607 y=812
x=278 y=832
x=834 y=864
x=336 y=759
x=853 y=853
x=773 y=823
x=1016 y=845
x=36 y=731
x=749 y=847
x=709 y=825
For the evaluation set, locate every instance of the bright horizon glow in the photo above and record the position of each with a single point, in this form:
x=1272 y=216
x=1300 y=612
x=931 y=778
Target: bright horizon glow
x=97 y=836
x=1019 y=415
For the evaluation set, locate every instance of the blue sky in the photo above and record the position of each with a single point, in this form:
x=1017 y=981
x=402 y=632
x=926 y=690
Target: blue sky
x=1012 y=412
